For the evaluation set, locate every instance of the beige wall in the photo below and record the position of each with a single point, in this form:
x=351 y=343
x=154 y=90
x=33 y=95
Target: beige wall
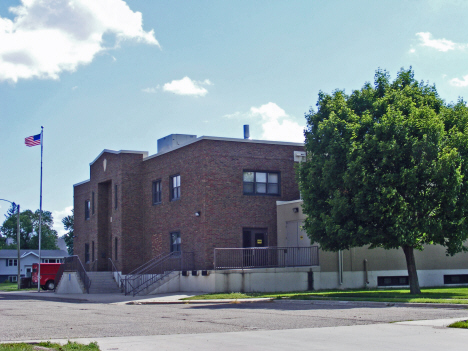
x=432 y=258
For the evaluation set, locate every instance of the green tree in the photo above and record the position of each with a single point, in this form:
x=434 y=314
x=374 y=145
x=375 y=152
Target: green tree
x=387 y=166
x=68 y=223
x=29 y=223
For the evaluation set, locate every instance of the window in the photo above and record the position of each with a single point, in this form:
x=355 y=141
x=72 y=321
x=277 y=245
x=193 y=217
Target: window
x=12 y=262
x=50 y=260
x=92 y=203
x=86 y=209
x=261 y=183
x=456 y=279
x=92 y=250
x=86 y=253
x=115 y=197
x=13 y=278
x=157 y=192
x=175 y=187
x=392 y=281
x=175 y=241
x=116 y=244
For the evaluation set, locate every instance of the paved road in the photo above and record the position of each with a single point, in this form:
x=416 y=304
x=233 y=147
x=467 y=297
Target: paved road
x=24 y=318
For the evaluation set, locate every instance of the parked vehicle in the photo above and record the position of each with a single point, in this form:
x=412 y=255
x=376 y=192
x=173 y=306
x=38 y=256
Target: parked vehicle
x=48 y=273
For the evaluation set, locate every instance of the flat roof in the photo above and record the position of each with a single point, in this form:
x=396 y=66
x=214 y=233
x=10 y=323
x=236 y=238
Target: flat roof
x=238 y=140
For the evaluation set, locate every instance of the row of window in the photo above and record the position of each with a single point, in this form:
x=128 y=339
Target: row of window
x=174 y=189
x=254 y=183
x=90 y=205
x=87 y=258
x=13 y=262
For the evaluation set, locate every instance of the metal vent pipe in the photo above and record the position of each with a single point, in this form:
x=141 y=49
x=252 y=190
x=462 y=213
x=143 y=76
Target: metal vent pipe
x=246 y=131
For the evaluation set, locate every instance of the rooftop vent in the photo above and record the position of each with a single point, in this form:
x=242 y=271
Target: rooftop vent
x=246 y=131
x=173 y=141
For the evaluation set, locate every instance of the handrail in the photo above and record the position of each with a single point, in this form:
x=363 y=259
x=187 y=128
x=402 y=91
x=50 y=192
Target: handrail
x=146 y=265
x=73 y=263
x=93 y=266
x=265 y=257
x=159 y=268
x=119 y=276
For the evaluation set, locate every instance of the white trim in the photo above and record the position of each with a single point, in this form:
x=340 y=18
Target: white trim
x=83 y=182
x=144 y=153
x=279 y=203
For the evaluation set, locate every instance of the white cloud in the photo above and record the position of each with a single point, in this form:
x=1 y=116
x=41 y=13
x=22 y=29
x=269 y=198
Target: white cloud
x=439 y=44
x=276 y=124
x=186 y=86
x=149 y=90
x=48 y=37
x=58 y=216
x=461 y=83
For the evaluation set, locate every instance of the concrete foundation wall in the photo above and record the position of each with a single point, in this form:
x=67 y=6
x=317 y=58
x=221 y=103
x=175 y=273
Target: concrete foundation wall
x=70 y=284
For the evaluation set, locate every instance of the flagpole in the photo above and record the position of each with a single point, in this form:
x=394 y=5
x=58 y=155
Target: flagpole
x=40 y=218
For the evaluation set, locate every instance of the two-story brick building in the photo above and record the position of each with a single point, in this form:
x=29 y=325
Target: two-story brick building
x=194 y=195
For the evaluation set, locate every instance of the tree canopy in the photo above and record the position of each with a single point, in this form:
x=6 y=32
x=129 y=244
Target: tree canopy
x=29 y=229
x=387 y=166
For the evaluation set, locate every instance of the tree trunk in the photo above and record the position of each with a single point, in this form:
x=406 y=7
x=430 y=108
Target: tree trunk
x=412 y=273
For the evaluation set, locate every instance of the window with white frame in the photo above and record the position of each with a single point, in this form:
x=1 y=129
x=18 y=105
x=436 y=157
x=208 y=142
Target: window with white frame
x=12 y=262
x=175 y=187
x=13 y=278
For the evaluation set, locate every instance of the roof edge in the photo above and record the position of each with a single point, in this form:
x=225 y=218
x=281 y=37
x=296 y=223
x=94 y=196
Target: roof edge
x=80 y=183
x=287 y=143
x=144 y=153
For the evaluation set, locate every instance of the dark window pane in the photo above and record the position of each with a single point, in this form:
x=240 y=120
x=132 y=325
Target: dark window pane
x=248 y=188
x=272 y=188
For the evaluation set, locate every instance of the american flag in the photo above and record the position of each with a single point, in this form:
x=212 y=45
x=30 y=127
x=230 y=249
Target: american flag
x=33 y=140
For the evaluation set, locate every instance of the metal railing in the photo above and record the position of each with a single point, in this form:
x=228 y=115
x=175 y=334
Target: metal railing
x=114 y=272
x=156 y=270
x=73 y=264
x=265 y=257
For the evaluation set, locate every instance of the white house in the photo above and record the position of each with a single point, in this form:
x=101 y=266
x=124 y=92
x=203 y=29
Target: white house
x=9 y=262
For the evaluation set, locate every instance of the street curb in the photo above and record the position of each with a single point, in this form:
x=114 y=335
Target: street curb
x=190 y=302
x=374 y=303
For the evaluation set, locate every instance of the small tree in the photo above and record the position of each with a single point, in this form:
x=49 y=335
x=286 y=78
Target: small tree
x=387 y=166
x=68 y=223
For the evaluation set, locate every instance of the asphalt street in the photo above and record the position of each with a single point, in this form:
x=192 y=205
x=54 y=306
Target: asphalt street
x=26 y=318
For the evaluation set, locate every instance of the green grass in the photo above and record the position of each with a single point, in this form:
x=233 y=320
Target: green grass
x=67 y=347
x=7 y=286
x=460 y=324
x=429 y=295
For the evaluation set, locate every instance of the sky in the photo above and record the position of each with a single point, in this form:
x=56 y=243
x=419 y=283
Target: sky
x=119 y=75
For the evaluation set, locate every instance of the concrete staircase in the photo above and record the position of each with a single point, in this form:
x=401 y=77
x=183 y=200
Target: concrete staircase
x=103 y=283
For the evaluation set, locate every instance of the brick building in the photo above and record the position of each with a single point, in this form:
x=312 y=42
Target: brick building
x=194 y=195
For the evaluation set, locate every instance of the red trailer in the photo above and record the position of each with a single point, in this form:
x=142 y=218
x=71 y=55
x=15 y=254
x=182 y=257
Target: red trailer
x=48 y=273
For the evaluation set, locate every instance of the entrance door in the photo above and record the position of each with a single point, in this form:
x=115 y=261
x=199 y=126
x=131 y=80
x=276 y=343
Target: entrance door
x=255 y=238
x=28 y=271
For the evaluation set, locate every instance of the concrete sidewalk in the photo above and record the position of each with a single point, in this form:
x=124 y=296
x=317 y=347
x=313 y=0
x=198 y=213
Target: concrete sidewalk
x=419 y=335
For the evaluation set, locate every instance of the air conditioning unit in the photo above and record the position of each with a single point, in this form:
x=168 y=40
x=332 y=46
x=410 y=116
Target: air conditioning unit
x=299 y=156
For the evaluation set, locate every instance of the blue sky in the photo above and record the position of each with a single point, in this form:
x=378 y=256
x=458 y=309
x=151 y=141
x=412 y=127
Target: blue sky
x=114 y=74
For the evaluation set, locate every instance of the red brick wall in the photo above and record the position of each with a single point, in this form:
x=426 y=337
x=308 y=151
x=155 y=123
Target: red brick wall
x=211 y=182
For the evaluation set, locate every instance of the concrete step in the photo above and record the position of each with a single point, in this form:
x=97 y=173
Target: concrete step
x=103 y=283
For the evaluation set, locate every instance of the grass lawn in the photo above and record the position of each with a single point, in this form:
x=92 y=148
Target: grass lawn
x=461 y=324
x=7 y=286
x=67 y=347
x=430 y=295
